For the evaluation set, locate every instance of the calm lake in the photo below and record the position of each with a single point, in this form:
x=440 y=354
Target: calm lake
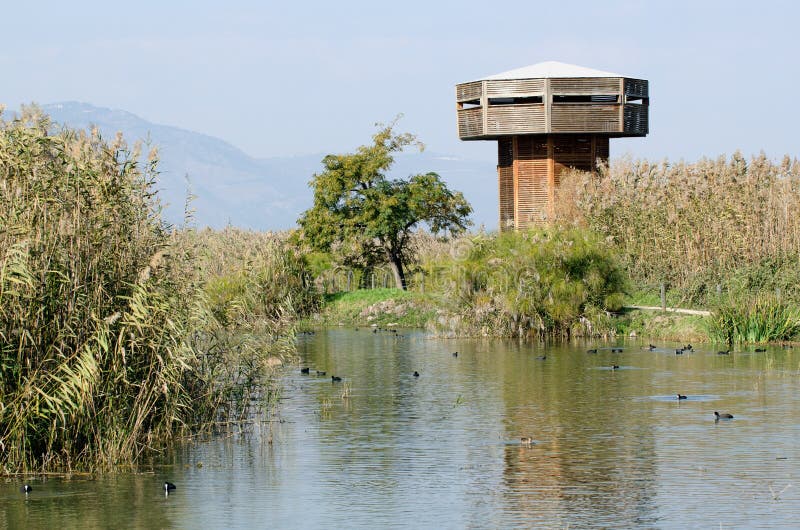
x=613 y=448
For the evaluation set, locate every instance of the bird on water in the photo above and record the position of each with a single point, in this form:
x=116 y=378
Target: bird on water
x=615 y=367
x=169 y=486
x=335 y=378
x=593 y=350
x=305 y=370
x=26 y=489
x=416 y=374
x=723 y=416
x=526 y=440
x=680 y=396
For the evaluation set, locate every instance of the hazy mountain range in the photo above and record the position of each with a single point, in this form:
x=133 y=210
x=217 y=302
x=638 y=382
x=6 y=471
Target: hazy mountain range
x=234 y=188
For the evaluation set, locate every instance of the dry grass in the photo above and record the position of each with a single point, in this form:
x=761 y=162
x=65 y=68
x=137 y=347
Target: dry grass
x=728 y=222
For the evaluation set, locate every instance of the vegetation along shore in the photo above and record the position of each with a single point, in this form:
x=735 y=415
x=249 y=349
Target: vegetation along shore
x=120 y=333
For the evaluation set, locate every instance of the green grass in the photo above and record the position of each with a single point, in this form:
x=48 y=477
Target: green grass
x=657 y=325
x=758 y=319
x=389 y=306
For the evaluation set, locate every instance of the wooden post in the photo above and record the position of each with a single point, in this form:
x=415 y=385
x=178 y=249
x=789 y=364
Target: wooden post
x=373 y=280
x=349 y=278
x=663 y=296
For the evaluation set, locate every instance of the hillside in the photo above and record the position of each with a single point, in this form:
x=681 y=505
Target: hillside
x=232 y=187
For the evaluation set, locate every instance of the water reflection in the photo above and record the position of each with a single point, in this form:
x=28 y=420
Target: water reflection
x=613 y=448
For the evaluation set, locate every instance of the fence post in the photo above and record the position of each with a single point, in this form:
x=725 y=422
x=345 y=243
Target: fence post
x=663 y=296
x=349 y=278
x=372 y=277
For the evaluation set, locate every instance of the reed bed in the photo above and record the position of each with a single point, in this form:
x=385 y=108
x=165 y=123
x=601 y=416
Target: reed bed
x=727 y=222
x=115 y=334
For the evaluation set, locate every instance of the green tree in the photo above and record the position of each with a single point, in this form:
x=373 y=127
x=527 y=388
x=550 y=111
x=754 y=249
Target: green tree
x=367 y=218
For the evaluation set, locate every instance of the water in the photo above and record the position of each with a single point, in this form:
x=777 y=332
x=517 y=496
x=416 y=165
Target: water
x=614 y=448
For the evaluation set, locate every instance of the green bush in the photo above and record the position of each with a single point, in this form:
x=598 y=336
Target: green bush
x=548 y=281
x=763 y=318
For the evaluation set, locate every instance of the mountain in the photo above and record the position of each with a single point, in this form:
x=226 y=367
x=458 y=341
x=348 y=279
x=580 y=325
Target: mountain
x=231 y=187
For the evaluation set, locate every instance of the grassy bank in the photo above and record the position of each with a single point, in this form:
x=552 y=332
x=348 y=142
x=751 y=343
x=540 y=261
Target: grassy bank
x=381 y=307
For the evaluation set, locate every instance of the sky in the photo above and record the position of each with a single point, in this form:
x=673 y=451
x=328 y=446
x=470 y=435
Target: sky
x=292 y=78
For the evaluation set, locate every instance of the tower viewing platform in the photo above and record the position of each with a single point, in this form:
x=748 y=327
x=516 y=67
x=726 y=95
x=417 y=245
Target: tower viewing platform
x=548 y=118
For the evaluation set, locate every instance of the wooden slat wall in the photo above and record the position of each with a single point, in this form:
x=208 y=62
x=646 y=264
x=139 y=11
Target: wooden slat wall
x=505 y=177
x=585 y=85
x=601 y=150
x=620 y=119
x=635 y=118
x=470 y=122
x=636 y=87
x=468 y=91
x=584 y=117
x=532 y=180
x=516 y=119
x=531 y=167
x=515 y=87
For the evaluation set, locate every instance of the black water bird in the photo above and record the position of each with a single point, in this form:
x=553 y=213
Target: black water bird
x=726 y=352
x=455 y=354
x=593 y=350
x=681 y=396
x=651 y=347
x=760 y=350
x=616 y=350
x=678 y=352
x=375 y=330
x=541 y=358
x=526 y=440
x=305 y=370
x=26 y=489
x=319 y=372
x=688 y=347
x=724 y=416
x=335 y=378
x=169 y=486
x=615 y=367
x=416 y=374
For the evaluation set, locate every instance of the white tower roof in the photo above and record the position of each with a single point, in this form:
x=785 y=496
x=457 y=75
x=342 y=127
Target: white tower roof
x=551 y=69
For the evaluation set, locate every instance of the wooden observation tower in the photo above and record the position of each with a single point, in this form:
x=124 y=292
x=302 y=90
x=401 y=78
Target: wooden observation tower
x=548 y=118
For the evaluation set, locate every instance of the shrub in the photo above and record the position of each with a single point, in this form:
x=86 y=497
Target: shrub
x=546 y=282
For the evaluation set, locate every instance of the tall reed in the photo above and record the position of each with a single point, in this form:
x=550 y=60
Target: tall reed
x=696 y=226
x=111 y=339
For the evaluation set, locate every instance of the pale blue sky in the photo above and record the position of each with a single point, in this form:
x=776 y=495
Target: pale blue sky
x=284 y=78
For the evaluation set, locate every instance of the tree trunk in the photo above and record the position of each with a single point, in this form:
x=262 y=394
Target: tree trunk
x=397 y=270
